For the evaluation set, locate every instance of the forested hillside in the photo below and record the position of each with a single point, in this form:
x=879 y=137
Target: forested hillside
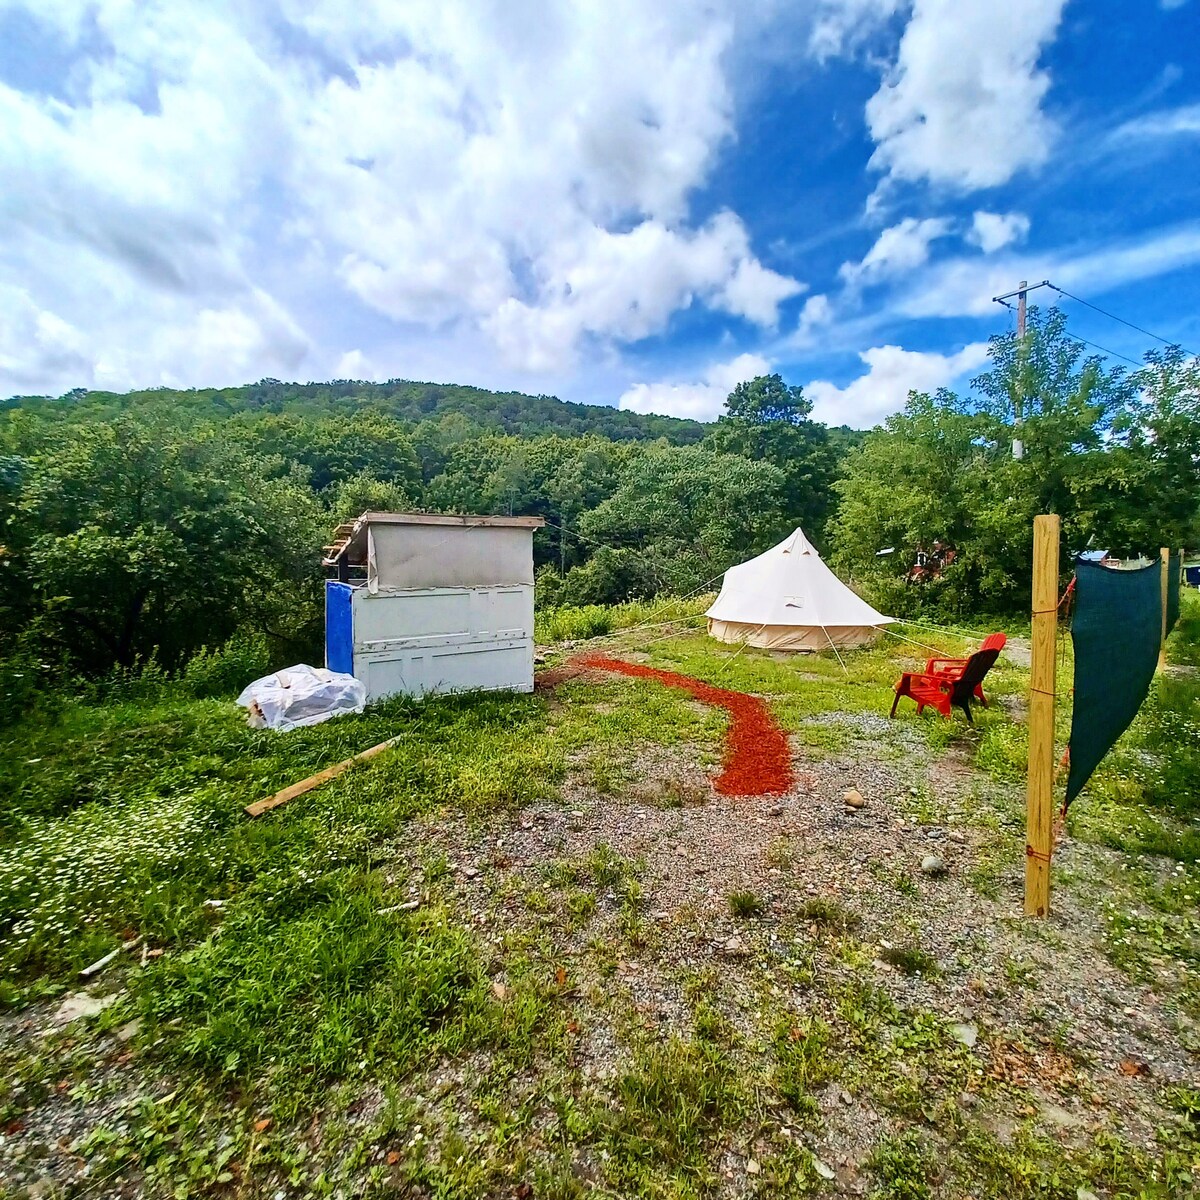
x=402 y=399
x=142 y=528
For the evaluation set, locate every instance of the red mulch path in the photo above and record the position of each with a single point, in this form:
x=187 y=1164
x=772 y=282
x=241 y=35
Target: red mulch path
x=758 y=761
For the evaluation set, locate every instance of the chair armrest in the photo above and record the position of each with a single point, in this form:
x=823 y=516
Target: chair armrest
x=939 y=666
x=938 y=682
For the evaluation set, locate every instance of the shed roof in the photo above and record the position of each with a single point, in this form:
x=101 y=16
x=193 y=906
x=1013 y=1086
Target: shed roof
x=350 y=540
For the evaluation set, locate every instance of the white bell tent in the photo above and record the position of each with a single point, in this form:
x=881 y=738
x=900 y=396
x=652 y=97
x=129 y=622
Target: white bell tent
x=788 y=599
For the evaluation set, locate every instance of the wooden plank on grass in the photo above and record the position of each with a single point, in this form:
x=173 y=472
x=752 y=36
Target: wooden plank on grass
x=314 y=781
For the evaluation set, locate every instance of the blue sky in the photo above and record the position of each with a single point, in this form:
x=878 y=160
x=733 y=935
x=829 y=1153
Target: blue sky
x=612 y=202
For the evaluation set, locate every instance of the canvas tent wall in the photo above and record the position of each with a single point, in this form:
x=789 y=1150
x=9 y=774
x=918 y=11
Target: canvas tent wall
x=426 y=602
x=788 y=599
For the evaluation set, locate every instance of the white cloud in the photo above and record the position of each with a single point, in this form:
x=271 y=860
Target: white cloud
x=627 y=285
x=993 y=231
x=702 y=401
x=35 y=342
x=816 y=314
x=965 y=286
x=354 y=364
x=900 y=248
x=842 y=25
x=521 y=172
x=892 y=372
x=1183 y=121
x=961 y=105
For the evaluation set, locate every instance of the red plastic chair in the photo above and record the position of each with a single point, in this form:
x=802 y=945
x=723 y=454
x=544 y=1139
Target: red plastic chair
x=951 y=682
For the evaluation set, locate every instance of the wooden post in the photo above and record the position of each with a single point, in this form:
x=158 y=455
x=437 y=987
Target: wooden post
x=1165 y=558
x=1039 y=829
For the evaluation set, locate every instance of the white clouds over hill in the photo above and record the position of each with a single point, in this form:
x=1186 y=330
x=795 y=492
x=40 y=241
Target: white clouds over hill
x=523 y=169
x=892 y=373
x=702 y=400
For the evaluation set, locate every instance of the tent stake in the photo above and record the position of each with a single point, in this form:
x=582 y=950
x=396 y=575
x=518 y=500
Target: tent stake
x=1039 y=831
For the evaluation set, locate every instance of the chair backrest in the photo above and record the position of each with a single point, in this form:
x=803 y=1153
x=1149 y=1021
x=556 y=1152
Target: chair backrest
x=978 y=665
x=994 y=641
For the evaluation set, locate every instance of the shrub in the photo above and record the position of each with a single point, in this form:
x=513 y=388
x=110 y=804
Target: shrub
x=226 y=670
x=27 y=682
x=573 y=624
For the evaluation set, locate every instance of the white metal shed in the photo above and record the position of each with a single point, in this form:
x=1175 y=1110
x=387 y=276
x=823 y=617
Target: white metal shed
x=426 y=602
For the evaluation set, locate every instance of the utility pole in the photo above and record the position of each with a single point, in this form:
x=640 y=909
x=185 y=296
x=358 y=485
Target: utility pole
x=1018 y=446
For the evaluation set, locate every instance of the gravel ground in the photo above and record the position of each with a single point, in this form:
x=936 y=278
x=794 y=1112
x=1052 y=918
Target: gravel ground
x=1040 y=1004
x=1043 y=1007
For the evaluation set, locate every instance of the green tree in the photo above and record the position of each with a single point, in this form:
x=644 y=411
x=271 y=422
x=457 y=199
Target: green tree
x=688 y=514
x=337 y=448
x=553 y=477
x=768 y=421
x=1114 y=455
x=1162 y=434
x=364 y=493
x=151 y=540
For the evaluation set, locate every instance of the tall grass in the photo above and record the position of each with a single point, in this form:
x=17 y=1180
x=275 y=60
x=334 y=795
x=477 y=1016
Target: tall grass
x=595 y=620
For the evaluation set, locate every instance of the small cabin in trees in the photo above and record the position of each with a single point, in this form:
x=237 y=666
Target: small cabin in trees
x=425 y=602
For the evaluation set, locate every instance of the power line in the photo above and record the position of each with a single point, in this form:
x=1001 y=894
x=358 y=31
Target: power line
x=1021 y=292
x=1113 y=317
x=1105 y=350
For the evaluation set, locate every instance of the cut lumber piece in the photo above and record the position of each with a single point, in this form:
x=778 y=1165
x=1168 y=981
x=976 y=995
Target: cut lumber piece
x=313 y=781
x=100 y=963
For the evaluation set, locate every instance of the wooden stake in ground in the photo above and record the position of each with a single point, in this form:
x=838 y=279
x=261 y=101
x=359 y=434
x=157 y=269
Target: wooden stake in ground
x=1039 y=830
x=1165 y=558
x=306 y=785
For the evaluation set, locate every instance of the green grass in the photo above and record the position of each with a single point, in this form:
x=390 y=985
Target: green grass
x=668 y=1109
x=307 y=987
x=910 y=960
x=307 y=981
x=134 y=838
x=820 y=910
x=594 y=620
x=745 y=904
x=905 y=1167
x=804 y=1060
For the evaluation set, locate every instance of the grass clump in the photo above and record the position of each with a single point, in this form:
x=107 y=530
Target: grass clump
x=910 y=960
x=306 y=982
x=573 y=624
x=127 y=818
x=804 y=1059
x=668 y=1110
x=820 y=910
x=904 y=1167
x=745 y=905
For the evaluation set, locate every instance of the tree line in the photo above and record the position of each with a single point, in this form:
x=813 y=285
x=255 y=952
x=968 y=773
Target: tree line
x=145 y=527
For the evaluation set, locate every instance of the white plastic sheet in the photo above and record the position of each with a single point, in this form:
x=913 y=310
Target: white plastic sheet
x=302 y=695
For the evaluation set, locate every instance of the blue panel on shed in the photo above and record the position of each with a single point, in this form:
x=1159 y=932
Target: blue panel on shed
x=339 y=627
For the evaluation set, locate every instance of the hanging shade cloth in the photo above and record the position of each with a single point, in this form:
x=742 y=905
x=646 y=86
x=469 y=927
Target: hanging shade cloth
x=1116 y=631
x=1174 y=571
x=788 y=599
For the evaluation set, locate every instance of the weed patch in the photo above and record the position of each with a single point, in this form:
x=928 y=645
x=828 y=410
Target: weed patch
x=668 y=1111
x=745 y=904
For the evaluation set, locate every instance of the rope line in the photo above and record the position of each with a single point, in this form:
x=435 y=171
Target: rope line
x=901 y=636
